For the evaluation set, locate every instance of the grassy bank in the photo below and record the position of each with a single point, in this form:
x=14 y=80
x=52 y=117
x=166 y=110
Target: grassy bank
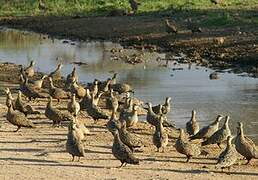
x=101 y=7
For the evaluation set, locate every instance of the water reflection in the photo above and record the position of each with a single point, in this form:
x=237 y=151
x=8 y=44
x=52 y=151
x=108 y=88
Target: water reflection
x=190 y=88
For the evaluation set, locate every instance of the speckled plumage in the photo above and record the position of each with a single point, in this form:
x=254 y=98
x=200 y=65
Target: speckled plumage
x=129 y=139
x=30 y=91
x=160 y=137
x=165 y=108
x=29 y=71
x=86 y=100
x=78 y=90
x=22 y=107
x=73 y=106
x=57 y=93
x=122 y=152
x=122 y=88
x=71 y=78
x=38 y=83
x=187 y=148
x=220 y=135
x=227 y=157
x=56 y=115
x=96 y=112
x=207 y=131
x=74 y=145
x=130 y=117
x=153 y=118
x=18 y=119
x=192 y=126
x=244 y=145
x=113 y=124
x=56 y=75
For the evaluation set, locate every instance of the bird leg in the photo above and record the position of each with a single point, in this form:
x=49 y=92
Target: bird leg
x=73 y=158
x=163 y=149
x=121 y=165
x=188 y=159
x=19 y=127
x=248 y=161
x=79 y=159
x=157 y=150
x=219 y=145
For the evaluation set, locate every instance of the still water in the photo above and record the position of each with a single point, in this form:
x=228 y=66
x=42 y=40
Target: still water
x=232 y=95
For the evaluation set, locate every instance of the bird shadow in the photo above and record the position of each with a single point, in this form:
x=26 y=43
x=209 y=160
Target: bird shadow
x=15 y=142
x=28 y=160
x=197 y=171
x=176 y=161
x=105 y=147
x=57 y=164
x=20 y=150
x=36 y=118
x=98 y=152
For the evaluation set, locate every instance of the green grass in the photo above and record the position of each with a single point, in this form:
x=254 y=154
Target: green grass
x=99 y=7
x=202 y=12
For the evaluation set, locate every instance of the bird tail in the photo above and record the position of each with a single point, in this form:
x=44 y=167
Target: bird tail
x=193 y=137
x=32 y=125
x=256 y=154
x=35 y=112
x=204 y=143
x=134 y=160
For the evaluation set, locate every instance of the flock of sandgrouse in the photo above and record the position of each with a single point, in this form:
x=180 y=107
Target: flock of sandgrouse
x=121 y=111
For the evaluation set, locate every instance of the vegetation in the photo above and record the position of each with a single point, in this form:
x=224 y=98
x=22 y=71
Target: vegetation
x=202 y=12
x=100 y=7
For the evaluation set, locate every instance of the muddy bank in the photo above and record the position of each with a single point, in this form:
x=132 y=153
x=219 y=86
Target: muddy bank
x=218 y=48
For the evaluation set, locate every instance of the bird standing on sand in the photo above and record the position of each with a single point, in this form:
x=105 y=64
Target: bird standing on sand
x=229 y=156
x=244 y=145
x=165 y=109
x=185 y=147
x=207 y=131
x=113 y=124
x=56 y=115
x=22 y=107
x=74 y=145
x=170 y=28
x=160 y=137
x=57 y=93
x=122 y=152
x=192 y=126
x=18 y=119
x=73 y=106
x=9 y=98
x=129 y=139
x=29 y=71
x=56 y=74
x=78 y=90
x=220 y=135
x=38 y=83
x=71 y=78
x=134 y=5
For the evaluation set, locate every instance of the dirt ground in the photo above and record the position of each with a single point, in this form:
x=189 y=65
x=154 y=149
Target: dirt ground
x=40 y=153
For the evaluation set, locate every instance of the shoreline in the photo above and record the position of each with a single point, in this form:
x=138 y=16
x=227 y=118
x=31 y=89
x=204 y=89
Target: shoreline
x=217 y=48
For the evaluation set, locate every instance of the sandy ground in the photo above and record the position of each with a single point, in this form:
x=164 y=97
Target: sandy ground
x=40 y=154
